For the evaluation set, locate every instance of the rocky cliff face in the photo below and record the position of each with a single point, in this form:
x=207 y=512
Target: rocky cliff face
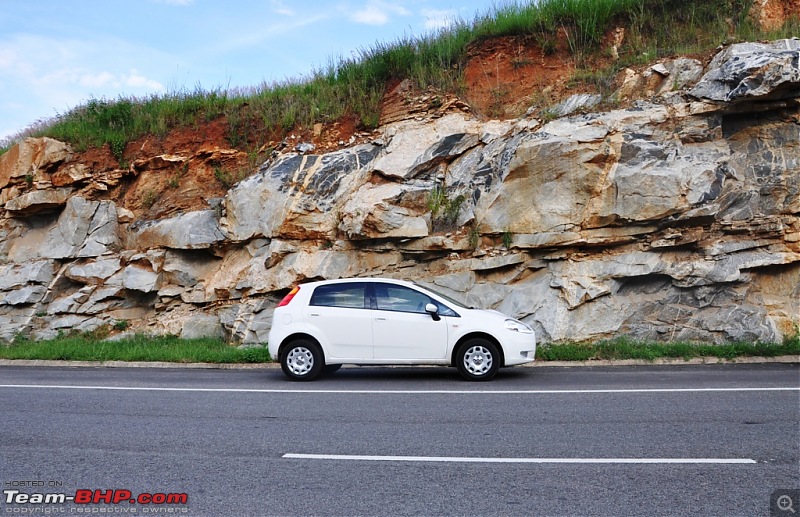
x=675 y=218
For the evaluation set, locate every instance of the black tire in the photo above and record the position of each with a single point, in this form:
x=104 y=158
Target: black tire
x=330 y=369
x=302 y=360
x=478 y=359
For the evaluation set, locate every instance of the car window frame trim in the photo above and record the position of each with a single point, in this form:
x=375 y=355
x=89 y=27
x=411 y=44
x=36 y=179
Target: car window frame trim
x=374 y=299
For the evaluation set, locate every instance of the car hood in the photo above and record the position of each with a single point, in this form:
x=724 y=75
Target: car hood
x=491 y=313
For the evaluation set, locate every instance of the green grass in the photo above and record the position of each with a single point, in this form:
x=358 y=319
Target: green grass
x=355 y=86
x=91 y=347
x=626 y=348
x=87 y=347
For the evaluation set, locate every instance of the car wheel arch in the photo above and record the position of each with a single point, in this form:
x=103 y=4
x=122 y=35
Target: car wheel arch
x=294 y=337
x=481 y=335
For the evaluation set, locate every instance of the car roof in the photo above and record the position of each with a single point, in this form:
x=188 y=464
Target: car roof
x=356 y=279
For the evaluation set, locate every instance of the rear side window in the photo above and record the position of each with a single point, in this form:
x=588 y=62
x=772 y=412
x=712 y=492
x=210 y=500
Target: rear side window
x=349 y=295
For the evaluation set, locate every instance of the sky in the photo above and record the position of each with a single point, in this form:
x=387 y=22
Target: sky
x=58 y=54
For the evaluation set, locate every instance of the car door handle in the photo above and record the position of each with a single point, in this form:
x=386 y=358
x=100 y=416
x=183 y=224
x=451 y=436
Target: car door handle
x=313 y=314
x=380 y=319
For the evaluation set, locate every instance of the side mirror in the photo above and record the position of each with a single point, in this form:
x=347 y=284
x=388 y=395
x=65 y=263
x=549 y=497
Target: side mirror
x=433 y=310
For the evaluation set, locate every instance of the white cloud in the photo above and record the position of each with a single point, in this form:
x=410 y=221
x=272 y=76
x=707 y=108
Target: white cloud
x=378 y=13
x=279 y=7
x=439 y=18
x=371 y=15
x=140 y=82
x=90 y=79
x=43 y=76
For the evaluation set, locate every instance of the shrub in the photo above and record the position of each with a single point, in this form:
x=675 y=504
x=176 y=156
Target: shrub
x=356 y=85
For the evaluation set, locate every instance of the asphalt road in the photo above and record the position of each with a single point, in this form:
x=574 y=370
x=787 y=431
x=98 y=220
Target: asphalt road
x=403 y=441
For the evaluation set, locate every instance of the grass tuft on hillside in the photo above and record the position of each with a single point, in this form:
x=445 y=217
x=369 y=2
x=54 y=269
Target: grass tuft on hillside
x=355 y=86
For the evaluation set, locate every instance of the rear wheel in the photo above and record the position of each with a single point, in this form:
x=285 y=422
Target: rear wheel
x=478 y=360
x=302 y=360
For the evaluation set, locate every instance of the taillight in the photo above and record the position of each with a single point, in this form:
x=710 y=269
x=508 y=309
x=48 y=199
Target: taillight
x=288 y=297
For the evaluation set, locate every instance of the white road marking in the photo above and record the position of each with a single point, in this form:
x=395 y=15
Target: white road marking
x=456 y=459
x=397 y=392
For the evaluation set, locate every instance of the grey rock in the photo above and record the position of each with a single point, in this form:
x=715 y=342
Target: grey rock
x=682 y=72
x=249 y=322
x=171 y=291
x=497 y=262
x=304 y=147
x=388 y=210
x=201 y=326
x=192 y=230
x=104 y=299
x=93 y=271
x=187 y=268
x=38 y=201
x=669 y=219
x=457 y=282
x=138 y=278
x=445 y=149
x=660 y=69
x=575 y=103
x=24 y=295
x=297 y=196
x=752 y=71
x=13 y=321
x=71 y=303
x=70 y=321
x=83 y=229
x=19 y=275
x=197 y=295
x=416 y=146
x=487 y=294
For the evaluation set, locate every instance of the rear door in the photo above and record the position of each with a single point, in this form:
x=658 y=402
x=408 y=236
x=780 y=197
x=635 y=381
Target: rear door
x=341 y=313
x=401 y=329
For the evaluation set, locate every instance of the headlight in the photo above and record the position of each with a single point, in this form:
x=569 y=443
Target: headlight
x=518 y=326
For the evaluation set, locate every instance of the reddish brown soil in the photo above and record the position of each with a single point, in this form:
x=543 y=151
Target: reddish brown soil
x=505 y=76
x=772 y=14
x=189 y=167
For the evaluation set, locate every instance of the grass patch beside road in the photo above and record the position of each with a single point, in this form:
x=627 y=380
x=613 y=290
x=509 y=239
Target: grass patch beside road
x=626 y=348
x=88 y=347
x=135 y=348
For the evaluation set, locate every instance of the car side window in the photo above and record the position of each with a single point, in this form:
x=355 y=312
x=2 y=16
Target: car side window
x=403 y=299
x=348 y=295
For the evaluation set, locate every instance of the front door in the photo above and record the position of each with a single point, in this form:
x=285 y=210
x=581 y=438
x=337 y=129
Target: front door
x=401 y=328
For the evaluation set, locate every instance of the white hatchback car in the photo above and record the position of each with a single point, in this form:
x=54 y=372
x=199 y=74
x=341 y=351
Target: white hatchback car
x=319 y=326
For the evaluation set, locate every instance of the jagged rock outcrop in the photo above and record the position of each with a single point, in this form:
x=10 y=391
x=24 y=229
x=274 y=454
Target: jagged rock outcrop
x=761 y=71
x=675 y=218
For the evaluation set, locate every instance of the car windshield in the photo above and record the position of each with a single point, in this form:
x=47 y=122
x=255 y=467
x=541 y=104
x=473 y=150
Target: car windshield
x=444 y=296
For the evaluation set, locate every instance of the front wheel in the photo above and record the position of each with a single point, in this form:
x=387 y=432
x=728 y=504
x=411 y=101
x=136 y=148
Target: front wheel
x=478 y=360
x=302 y=360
